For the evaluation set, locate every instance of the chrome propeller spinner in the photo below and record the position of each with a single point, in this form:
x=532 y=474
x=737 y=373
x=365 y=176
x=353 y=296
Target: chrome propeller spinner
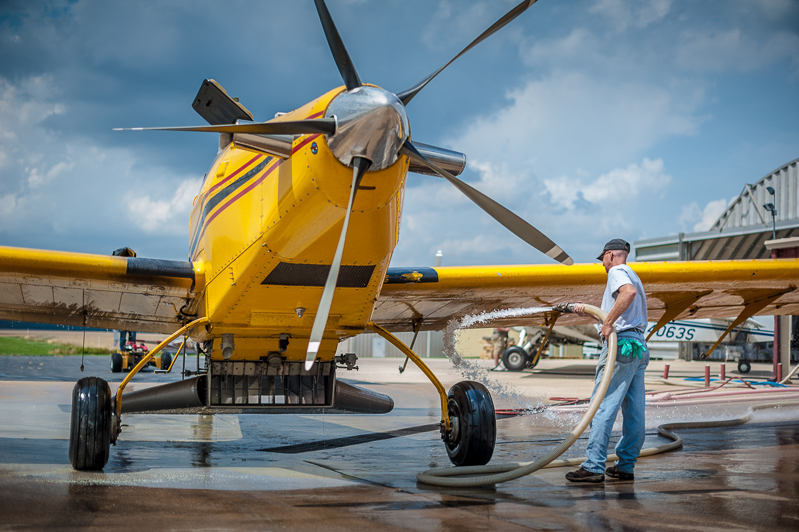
x=371 y=123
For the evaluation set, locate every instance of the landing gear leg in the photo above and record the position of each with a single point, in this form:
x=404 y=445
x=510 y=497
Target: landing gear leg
x=468 y=420
x=474 y=425
x=90 y=427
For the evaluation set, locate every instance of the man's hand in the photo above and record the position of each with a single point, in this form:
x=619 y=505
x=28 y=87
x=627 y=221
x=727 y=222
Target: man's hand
x=607 y=328
x=579 y=309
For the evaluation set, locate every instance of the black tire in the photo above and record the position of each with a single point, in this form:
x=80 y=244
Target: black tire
x=166 y=360
x=474 y=424
x=116 y=362
x=515 y=358
x=90 y=427
x=744 y=366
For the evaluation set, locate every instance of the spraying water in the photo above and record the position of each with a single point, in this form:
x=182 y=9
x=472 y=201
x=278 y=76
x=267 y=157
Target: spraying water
x=473 y=372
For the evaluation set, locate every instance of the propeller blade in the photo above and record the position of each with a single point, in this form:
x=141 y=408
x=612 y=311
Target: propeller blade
x=407 y=95
x=360 y=166
x=340 y=55
x=325 y=126
x=511 y=221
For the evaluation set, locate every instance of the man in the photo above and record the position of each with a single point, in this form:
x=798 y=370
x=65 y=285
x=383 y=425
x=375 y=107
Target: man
x=500 y=340
x=625 y=303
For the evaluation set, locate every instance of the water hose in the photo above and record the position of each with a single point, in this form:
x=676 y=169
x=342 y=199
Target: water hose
x=495 y=474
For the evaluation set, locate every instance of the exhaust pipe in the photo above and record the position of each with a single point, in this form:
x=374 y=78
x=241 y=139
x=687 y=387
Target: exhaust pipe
x=188 y=393
x=360 y=400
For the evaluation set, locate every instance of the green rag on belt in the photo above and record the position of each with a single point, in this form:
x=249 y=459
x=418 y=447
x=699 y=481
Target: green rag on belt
x=629 y=347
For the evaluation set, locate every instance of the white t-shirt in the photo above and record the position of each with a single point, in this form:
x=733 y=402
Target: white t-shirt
x=635 y=316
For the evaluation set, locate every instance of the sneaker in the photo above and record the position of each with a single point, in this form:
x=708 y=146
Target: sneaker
x=498 y=367
x=583 y=475
x=612 y=472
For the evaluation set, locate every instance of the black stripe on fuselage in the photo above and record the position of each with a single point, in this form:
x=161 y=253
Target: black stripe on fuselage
x=217 y=198
x=287 y=274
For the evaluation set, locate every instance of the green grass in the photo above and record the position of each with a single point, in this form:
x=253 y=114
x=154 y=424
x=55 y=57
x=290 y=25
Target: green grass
x=15 y=345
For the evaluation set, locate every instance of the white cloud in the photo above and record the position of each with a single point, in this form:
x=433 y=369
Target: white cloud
x=710 y=214
x=690 y=214
x=36 y=178
x=462 y=24
x=64 y=191
x=579 y=45
x=627 y=184
x=704 y=218
x=8 y=205
x=632 y=13
x=569 y=120
x=771 y=9
x=732 y=49
x=614 y=191
x=164 y=216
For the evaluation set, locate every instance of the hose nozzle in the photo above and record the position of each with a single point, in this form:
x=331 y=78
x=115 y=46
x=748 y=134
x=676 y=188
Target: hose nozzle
x=564 y=308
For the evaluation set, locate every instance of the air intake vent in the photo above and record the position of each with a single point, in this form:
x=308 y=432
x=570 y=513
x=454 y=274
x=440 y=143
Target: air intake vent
x=287 y=274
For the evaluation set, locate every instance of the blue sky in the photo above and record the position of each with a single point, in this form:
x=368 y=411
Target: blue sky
x=591 y=119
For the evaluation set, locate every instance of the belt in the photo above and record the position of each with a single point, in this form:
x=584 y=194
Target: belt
x=636 y=329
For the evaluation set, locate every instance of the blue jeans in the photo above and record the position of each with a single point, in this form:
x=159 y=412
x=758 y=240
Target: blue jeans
x=626 y=390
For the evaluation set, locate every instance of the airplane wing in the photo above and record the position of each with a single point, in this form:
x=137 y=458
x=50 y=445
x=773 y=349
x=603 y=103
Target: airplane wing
x=127 y=293
x=675 y=290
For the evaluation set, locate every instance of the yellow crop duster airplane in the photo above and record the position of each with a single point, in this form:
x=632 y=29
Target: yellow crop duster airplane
x=291 y=237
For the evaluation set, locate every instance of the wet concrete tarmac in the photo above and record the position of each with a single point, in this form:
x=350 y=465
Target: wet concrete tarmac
x=340 y=472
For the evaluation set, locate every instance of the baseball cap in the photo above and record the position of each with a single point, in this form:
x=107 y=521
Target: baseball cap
x=615 y=244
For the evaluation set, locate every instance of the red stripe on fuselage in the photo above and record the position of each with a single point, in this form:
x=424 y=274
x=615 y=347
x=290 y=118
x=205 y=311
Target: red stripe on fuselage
x=302 y=144
x=234 y=174
x=232 y=200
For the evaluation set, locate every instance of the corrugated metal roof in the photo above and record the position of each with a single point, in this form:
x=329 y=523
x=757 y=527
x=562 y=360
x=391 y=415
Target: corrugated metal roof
x=741 y=231
x=747 y=209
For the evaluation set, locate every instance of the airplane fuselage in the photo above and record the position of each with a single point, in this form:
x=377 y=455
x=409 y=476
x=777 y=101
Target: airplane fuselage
x=264 y=231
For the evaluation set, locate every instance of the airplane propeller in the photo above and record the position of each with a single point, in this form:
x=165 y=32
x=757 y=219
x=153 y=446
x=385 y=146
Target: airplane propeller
x=326 y=126
x=340 y=55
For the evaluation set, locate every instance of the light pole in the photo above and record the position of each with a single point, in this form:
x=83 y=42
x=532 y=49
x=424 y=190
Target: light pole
x=773 y=210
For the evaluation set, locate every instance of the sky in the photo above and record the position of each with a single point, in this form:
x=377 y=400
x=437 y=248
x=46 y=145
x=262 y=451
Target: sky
x=591 y=119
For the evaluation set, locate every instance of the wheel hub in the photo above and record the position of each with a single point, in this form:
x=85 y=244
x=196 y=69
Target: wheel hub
x=452 y=437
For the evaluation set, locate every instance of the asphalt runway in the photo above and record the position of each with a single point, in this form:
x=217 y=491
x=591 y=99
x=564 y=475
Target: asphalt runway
x=342 y=472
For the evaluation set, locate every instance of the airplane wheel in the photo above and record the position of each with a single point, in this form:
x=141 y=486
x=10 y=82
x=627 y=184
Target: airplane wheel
x=116 y=362
x=166 y=360
x=474 y=424
x=90 y=427
x=744 y=366
x=515 y=358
